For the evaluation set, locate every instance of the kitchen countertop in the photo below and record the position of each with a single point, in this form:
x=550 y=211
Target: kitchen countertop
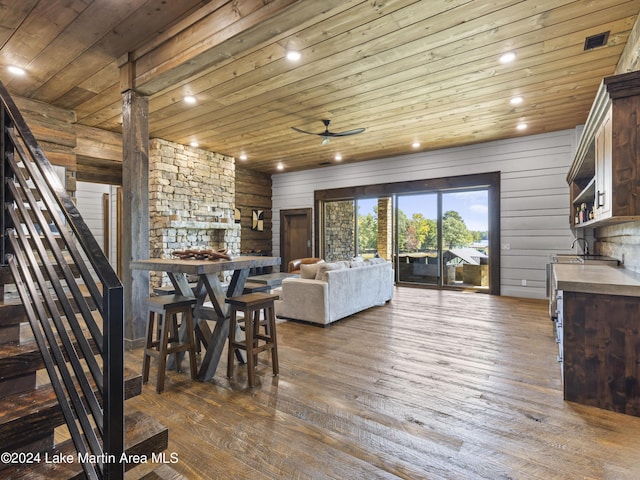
x=590 y=278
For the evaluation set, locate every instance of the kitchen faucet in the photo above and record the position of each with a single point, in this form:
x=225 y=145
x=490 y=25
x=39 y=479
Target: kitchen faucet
x=586 y=245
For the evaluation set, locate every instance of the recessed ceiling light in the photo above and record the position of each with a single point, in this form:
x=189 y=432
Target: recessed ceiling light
x=280 y=166
x=516 y=100
x=190 y=99
x=194 y=144
x=293 y=55
x=521 y=126
x=507 y=57
x=338 y=157
x=415 y=144
x=243 y=156
x=16 y=70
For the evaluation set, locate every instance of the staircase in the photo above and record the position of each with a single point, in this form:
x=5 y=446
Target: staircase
x=63 y=383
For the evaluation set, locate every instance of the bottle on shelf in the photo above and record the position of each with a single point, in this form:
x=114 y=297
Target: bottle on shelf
x=583 y=213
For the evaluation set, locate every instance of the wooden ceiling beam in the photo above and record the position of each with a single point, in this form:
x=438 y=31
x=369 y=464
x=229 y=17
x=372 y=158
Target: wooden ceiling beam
x=630 y=59
x=224 y=33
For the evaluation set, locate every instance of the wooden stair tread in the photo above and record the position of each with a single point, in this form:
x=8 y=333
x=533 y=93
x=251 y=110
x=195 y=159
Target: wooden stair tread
x=143 y=436
x=16 y=360
x=38 y=409
x=164 y=472
x=25 y=357
x=25 y=417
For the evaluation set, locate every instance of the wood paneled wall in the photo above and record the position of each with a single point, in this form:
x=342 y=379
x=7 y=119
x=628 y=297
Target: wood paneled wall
x=89 y=154
x=534 y=195
x=99 y=155
x=253 y=192
x=54 y=129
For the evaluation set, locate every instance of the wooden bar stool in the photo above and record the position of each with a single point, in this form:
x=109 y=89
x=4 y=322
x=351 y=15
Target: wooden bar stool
x=253 y=305
x=163 y=339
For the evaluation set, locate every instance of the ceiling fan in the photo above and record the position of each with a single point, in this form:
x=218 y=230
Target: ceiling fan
x=326 y=135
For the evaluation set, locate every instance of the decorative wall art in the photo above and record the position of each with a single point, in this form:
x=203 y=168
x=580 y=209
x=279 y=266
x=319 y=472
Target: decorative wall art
x=236 y=215
x=257 y=220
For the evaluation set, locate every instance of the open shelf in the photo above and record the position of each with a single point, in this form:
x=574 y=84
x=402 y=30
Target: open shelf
x=587 y=194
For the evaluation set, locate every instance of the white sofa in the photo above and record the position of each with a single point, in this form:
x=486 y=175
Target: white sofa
x=327 y=292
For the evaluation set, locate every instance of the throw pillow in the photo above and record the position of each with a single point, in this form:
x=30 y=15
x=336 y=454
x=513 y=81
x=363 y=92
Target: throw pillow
x=323 y=268
x=309 y=271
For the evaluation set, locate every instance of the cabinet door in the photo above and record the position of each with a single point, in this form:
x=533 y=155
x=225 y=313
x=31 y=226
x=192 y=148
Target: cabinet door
x=603 y=169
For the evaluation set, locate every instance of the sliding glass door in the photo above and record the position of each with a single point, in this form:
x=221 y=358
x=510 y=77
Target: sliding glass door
x=465 y=238
x=417 y=239
x=441 y=233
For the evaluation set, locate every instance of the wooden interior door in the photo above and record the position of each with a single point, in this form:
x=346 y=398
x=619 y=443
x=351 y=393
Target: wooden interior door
x=295 y=235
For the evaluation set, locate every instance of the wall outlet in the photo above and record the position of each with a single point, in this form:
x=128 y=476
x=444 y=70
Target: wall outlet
x=506 y=246
x=524 y=282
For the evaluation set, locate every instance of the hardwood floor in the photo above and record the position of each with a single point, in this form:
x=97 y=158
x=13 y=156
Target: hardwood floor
x=434 y=385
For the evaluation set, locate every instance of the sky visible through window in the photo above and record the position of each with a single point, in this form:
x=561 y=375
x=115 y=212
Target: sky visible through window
x=472 y=206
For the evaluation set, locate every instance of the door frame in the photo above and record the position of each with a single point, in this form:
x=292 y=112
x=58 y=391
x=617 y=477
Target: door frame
x=491 y=180
x=308 y=212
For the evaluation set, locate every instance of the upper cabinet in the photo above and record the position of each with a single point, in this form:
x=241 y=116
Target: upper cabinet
x=604 y=179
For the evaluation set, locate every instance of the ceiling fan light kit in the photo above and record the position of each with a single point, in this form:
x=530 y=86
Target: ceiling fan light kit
x=327 y=135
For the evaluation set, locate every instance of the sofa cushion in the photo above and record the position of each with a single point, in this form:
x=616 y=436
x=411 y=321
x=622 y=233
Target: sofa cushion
x=310 y=271
x=325 y=267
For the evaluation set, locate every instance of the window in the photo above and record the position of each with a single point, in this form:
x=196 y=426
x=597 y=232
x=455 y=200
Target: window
x=438 y=232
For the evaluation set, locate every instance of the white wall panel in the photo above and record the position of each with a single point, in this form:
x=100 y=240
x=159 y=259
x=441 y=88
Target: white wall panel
x=534 y=195
x=89 y=203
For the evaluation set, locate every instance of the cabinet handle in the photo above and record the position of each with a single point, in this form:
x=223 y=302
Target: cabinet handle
x=599 y=199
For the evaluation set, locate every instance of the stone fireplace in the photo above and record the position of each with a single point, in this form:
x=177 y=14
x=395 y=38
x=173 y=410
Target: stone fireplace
x=191 y=201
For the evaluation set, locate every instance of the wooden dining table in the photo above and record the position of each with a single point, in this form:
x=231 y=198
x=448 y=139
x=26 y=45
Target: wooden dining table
x=209 y=287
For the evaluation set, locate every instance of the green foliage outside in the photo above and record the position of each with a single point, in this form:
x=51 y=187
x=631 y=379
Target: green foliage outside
x=419 y=234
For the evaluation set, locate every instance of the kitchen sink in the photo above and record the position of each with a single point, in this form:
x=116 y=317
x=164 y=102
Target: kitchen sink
x=567 y=258
x=583 y=259
x=571 y=258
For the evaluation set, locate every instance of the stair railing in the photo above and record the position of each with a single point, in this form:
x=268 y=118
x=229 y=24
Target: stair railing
x=45 y=242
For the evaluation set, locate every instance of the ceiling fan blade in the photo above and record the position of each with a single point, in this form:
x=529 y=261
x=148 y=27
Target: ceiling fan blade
x=347 y=133
x=304 y=131
x=327 y=134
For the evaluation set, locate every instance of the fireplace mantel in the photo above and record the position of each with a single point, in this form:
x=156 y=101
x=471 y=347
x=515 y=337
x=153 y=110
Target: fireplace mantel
x=200 y=225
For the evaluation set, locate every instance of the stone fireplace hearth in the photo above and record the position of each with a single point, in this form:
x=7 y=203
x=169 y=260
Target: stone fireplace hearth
x=191 y=200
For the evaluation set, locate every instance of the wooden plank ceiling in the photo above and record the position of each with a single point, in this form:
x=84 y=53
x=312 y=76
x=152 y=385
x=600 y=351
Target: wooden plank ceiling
x=405 y=70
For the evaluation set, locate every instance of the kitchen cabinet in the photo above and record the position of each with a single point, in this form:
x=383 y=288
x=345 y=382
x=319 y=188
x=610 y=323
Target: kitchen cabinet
x=601 y=350
x=598 y=335
x=604 y=178
x=604 y=164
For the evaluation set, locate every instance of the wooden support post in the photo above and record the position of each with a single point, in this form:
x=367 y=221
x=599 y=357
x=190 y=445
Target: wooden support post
x=135 y=212
x=385 y=228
